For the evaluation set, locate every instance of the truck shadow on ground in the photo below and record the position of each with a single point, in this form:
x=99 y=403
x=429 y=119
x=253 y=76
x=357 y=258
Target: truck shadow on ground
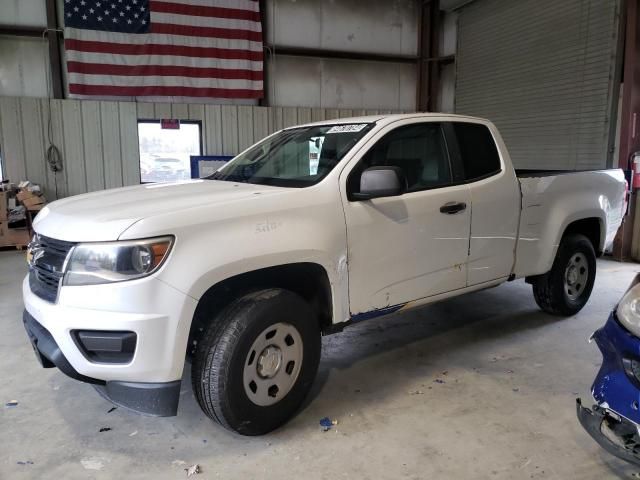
x=367 y=364
x=451 y=329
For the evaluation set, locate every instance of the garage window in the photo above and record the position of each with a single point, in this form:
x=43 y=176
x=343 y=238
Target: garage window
x=165 y=153
x=478 y=150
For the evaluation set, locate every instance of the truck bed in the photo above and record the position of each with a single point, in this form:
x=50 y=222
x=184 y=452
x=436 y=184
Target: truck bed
x=552 y=200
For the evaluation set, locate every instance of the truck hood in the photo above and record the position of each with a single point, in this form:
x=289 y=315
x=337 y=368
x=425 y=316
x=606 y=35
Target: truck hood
x=105 y=215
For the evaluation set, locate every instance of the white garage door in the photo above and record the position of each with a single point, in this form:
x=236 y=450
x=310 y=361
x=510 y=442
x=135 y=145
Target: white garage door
x=544 y=72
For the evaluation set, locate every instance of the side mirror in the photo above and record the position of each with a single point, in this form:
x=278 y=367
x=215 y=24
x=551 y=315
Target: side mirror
x=385 y=181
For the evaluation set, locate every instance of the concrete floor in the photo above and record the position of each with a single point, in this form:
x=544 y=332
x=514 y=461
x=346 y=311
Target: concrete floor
x=504 y=410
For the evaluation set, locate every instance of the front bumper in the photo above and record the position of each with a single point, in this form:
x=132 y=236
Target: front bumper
x=615 y=434
x=613 y=422
x=149 y=382
x=615 y=385
x=156 y=399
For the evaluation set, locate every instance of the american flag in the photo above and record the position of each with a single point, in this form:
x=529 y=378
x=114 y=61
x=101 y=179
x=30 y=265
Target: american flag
x=185 y=48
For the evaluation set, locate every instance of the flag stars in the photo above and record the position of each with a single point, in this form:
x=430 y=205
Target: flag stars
x=68 y=14
x=144 y=22
x=142 y=9
x=98 y=4
x=113 y=5
x=129 y=21
x=76 y=9
x=128 y=7
x=99 y=19
x=122 y=14
x=135 y=15
x=91 y=10
x=84 y=17
x=115 y=20
x=106 y=12
x=83 y=3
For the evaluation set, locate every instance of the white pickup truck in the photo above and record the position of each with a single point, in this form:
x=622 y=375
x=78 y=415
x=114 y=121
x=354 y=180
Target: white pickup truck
x=314 y=228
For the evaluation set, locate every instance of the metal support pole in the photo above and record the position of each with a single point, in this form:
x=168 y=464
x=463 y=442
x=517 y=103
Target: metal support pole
x=55 y=60
x=428 y=53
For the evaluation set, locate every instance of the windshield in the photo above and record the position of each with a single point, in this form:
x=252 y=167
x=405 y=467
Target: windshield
x=297 y=157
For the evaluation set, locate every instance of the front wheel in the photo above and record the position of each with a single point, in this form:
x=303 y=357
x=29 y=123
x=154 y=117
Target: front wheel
x=566 y=288
x=256 y=362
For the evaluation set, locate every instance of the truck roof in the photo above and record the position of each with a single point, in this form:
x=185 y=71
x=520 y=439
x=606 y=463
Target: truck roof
x=389 y=118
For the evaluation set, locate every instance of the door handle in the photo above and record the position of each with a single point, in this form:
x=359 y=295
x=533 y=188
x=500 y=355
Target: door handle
x=451 y=208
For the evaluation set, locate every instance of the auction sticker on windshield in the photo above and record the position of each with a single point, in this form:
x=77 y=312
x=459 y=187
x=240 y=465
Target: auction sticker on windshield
x=351 y=127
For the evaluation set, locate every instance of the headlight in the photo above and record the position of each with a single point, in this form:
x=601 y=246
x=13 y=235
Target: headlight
x=94 y=263
x=628 y=310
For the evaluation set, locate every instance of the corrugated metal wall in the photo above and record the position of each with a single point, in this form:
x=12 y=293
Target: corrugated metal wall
x=544 y=72
x=373 y=26
x=99 y=140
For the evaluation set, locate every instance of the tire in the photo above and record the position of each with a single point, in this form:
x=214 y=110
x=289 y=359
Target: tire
x=239 y=348
x=566 y=288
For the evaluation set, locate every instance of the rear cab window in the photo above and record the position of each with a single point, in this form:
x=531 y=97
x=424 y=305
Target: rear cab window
x=478 y=152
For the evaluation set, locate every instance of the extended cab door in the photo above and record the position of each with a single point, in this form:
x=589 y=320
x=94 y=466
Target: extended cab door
x=495 y=200
x=405 y=248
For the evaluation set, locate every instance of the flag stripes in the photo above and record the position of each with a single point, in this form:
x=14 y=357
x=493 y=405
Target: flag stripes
x=187 y=48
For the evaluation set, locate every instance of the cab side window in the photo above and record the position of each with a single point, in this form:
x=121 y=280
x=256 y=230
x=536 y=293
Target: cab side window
x=418 y=149
x=478 y=150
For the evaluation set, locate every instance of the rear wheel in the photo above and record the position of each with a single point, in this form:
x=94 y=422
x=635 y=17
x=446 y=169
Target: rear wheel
x=566 y=288
x=256 y=362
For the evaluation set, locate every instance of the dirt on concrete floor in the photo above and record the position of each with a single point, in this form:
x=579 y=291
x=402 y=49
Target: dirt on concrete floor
x=482 y=386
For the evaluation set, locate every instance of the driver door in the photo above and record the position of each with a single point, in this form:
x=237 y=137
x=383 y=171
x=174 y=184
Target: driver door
x=406 y=247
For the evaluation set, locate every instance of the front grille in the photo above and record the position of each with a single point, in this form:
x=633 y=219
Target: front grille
x=46 y=267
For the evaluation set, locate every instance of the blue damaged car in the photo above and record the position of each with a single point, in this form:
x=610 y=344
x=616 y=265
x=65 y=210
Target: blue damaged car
x=614 y=421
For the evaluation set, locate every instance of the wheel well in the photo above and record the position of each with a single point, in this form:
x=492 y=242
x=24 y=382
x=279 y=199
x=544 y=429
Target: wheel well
x=309 y=280
x=590 y=228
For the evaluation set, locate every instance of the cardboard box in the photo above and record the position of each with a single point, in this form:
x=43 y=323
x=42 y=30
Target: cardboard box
x=24 y=194
x=32 y=201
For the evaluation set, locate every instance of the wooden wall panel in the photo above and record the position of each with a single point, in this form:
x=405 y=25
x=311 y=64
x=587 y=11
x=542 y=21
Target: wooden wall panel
x=34 y=146
x=180 y=111
x=73 y=147
x=98 y=141
x=12 y=134
x=245 y=127
x=304 y=115
x=289 y=117
x=111 y=144
x=93 y=149
x=260 y=123
x=331 y=113
x=162 y=110
x=56 y=186
x=129 y=149
x=145 y=111
x=229 y=129
x=213 y=130
x=317 y=114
